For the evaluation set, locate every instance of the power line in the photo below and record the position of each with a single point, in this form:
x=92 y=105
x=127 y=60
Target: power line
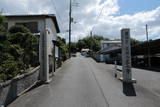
x=60 y=19
x=54 y=5
x=98 y=17
x=95 y=25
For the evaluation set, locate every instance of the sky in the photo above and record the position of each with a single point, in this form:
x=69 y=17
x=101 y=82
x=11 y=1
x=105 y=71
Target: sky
x=103 y=17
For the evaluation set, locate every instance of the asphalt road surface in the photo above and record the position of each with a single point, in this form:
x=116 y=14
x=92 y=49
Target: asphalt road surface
x=82 y=82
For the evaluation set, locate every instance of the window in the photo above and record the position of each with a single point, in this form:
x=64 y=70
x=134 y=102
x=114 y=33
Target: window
x=126 y=33
x=32 y=26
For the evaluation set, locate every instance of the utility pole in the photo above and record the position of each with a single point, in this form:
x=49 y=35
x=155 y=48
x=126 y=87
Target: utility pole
x=91 y=33
x=92 y=40
x=70 y=18
x=70 y=21
x=148 y=47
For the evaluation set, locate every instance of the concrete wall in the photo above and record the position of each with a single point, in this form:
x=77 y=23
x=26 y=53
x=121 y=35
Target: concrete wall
x=11 y=89
x=51 y=34
x=56 y=51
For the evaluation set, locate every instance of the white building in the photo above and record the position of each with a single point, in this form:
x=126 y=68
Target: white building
x=107 y=45
x=47 y=27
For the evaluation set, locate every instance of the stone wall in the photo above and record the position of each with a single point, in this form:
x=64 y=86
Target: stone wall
x=11 y=89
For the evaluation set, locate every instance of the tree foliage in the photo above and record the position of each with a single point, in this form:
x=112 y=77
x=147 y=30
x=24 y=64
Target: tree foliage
x=18 y=50
x=73 y=46
x=135 y=42
x=18 y=28
x=91 y=42
x=64 y=48
x=2 y=20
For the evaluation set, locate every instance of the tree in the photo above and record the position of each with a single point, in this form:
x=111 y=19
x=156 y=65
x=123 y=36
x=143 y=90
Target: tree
x=81 y=44
x=91 y=42
x=63 y=47
x=21 y=37
x=8 y=66
x=18 y=28
x=73 y=47
x=2 y=20
x=135 y=42
x=18 y=51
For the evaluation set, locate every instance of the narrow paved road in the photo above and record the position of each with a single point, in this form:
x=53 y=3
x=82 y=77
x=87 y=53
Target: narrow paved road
x=82 y=82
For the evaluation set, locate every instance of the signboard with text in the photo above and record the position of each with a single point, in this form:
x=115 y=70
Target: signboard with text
x=126 y=55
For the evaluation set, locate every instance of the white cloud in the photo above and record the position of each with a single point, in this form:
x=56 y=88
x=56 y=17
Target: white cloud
x=113 y=24
x=109 y=23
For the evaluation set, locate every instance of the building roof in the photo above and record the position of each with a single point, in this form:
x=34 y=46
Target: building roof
x=111 y=50
x=85 y=50
x=140 y=49
x=110 y=41
x=52 y=16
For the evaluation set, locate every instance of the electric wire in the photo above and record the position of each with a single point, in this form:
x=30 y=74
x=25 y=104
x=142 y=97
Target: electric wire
x=98 y=17
x=60 y=19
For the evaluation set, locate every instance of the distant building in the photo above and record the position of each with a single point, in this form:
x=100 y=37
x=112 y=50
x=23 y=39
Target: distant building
x=108 y=45
x=105 y=44
x=44 y=25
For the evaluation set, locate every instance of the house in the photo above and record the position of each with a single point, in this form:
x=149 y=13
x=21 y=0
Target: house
x=108 y=45
x=46 y=26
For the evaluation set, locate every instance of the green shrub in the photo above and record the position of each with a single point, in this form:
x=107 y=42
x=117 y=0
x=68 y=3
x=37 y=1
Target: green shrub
x=9 y=69
x=18 y=28
x=18 y=51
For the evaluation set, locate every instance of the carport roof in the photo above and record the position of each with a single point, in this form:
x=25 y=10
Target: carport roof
x=140 y=49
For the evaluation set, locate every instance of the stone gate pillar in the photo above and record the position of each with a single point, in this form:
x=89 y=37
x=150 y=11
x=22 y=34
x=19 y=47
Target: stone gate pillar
x=126 y=55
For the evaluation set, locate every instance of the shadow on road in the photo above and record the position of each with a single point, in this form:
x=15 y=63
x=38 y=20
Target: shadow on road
x=128 y=89
x=35 y=86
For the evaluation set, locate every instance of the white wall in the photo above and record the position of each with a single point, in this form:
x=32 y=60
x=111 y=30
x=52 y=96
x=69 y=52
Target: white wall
x=51 y=34
x=13 y=21
x=56 y=51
